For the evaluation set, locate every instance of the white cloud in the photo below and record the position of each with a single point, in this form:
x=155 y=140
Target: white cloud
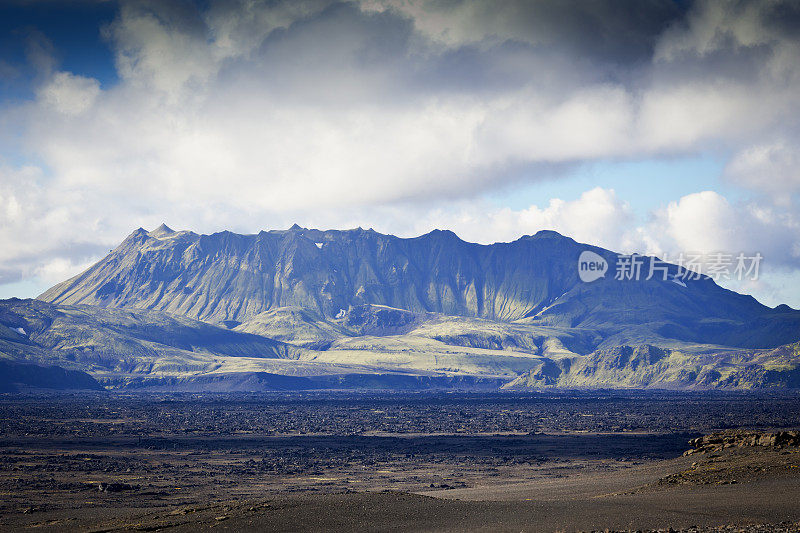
x=596 y=217
x=770 y=167
x=160 y=50
x=707 y=223
x=702 y=222
x=44 y=231
x=595 y=121
x=69 y=93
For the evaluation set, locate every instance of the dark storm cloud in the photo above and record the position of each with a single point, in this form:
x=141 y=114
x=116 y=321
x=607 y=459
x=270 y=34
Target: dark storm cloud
x=622 y=32
x=318 y=56
x=549 y=46
x=459 y=46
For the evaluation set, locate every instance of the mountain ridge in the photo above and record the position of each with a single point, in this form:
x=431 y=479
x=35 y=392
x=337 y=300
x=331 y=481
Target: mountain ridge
x=357 y=308
x=228 y=278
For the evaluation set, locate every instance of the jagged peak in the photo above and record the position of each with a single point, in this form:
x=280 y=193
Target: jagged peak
x=137 y=234
x=162 y=231
x=443 y=234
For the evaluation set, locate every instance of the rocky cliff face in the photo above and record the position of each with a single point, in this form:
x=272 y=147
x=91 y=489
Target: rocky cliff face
x=230 y=279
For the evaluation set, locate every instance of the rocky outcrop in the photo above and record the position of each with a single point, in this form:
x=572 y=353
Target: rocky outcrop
x=742 y=438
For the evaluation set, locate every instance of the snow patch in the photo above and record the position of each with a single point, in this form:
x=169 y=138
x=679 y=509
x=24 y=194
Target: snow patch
x=340 y=314
x=319 y=244
x=20 y=331
x=677 y=281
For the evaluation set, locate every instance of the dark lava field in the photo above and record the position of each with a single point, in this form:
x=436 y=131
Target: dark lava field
x=108 y=461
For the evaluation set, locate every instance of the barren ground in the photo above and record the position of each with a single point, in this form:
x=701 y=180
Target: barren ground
x=284 y=462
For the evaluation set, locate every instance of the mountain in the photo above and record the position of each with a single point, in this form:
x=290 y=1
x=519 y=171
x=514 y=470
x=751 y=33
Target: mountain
x=227 y=277
x=307 y=309
x=231 y=279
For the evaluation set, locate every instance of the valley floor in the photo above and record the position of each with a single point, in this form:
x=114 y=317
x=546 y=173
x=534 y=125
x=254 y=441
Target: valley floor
x=444 y=462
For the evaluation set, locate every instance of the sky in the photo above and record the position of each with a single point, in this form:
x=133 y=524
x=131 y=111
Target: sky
x=657 y=127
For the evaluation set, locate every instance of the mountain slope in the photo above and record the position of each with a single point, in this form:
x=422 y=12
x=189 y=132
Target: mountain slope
x=135 y=349
x=232 y=279
x=103 y=341
x=15 y=377
x=648 y=366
